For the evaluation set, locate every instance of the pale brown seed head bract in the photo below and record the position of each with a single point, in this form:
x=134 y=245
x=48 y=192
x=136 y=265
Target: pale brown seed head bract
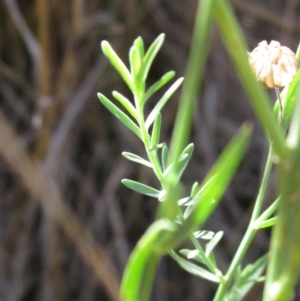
x=273 y=64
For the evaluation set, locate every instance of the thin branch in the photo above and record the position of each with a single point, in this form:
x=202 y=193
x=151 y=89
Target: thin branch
x=71 y=114
x=21 y=25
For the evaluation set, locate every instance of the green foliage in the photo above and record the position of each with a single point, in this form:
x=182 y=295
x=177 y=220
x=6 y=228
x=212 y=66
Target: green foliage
x=120 y=115
x=141 y=188
x=140 y=264
x=137 y=159
x=117 y=63
x=284 y=265
x=245 y=279
x=203 y=199
x=162 y=102
x=204 y=257
x=217 y=180
x=192 y=268
x=178 y=216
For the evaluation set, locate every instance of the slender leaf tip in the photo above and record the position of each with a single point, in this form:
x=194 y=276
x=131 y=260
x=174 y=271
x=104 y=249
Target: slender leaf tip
x=104 y=45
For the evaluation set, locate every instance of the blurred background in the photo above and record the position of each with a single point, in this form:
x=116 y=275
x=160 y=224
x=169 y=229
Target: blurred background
x=65 y=208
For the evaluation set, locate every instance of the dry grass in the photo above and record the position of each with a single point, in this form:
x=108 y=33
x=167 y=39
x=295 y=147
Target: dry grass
x=66 y=224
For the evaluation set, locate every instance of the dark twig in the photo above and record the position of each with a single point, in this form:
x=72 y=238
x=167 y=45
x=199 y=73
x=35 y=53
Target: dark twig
x=27 y=36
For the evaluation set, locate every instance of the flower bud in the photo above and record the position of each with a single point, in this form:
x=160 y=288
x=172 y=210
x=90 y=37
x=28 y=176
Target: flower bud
x=273 y=64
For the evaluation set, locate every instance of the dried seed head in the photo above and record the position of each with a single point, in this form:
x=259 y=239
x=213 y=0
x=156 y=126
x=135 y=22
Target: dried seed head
x=273 y=64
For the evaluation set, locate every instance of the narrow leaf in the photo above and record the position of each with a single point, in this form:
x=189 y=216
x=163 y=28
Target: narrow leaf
x=159 y=84
x=212 y=262
x=182 y=163
x=211 y=245
x=164 y=157
x=246 y=279
x=117 y=63
x=193 y=254
x=190 y=208
x=139 y=45
x=220 y=175
x=237 y=276
x=142 y=255
x=156 y=131
x=141 y=188
x=120 y=115
x=194 y=269
x=204 y=234
x=136 y=159
x=135 y=62
x=268 y=223
x=125 y=102
x=148 y=278
x=184 y=159
x=162 y=102
x=269 y=211
x=293 y=138
x=183 y=201
x=137 y=66
x=195 y=189
x=151 y=53
x=253 y=270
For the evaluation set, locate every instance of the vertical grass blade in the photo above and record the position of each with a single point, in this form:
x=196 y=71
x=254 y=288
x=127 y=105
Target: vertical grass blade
x=236 y=46
x=183 y=122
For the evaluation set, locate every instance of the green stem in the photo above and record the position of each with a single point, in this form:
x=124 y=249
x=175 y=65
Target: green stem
x=183 y=122
x=263 y=186
x=283 y=269
x=249 y=235
x=193 y=79
x=149 y=276
x=268 y=212
x=207 y=262
x=151 y=152
x=236 y=46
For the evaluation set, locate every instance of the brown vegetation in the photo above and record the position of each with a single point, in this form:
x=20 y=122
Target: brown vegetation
x=67 y=225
